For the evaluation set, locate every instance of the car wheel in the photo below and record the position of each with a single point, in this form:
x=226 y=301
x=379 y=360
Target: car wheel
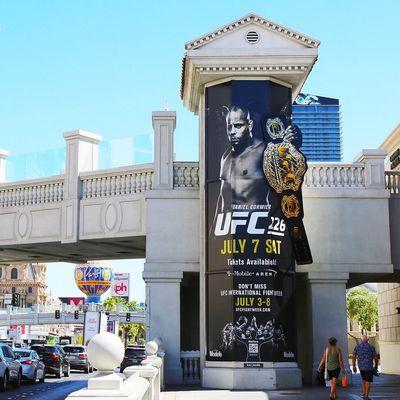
x=67 y=372
x=41 y=380
x=4 y=382
x=17 y=383
x=59 y=372
x=34 y=378
x=87 y=369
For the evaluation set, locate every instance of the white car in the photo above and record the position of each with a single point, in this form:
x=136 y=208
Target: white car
x=32 y=367
x=10 y=368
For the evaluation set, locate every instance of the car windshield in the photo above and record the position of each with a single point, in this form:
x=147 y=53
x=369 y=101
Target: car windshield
x=72 y=349
x=134 y=352
x=44 y=349
x=20 y=353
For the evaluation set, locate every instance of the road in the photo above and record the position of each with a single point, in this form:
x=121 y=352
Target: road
x=51 y=389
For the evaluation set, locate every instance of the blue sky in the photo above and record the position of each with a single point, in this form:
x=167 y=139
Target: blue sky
x=104 y=66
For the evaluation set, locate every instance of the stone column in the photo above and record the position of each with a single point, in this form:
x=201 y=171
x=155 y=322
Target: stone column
x=163 y=299
x=164 y=123
x=327 y=316
x=81 y=155
x=374 y=161
x=3 y=156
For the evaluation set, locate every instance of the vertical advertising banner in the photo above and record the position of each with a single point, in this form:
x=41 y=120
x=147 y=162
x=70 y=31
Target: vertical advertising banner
x=120 y=286
x=254 y=172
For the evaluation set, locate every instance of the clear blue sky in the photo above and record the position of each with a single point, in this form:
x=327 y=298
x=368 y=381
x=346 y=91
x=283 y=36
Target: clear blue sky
x=104 y=66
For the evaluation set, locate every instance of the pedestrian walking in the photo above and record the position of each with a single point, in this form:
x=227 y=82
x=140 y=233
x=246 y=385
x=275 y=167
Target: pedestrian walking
x=333 y=360
x=365 y=355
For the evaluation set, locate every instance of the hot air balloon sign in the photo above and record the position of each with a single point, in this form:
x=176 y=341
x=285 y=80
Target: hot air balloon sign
x=93 y=279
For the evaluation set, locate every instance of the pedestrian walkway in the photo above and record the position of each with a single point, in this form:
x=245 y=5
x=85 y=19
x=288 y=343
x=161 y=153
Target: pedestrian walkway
x=385 y=387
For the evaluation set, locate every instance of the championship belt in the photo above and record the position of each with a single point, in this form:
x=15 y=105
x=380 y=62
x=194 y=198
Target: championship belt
x=284 y=167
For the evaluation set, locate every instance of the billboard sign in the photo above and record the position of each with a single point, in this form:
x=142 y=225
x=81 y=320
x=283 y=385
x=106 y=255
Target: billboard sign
x=253 y=177
x=73 y=301
x=120 y=286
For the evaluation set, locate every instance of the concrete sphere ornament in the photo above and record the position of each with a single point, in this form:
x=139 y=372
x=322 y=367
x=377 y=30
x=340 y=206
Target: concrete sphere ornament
x=151 y=348
x=105 y=351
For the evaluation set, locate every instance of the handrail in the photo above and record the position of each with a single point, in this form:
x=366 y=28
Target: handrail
x=31 y=192
x=392 y=181
x=117 y=182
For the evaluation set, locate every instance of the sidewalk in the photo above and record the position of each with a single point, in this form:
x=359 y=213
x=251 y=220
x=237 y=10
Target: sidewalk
x=385 y=387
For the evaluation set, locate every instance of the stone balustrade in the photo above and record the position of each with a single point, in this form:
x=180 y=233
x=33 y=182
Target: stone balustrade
x=190 y=361
x=105 y=353
x=392 y=180
x=32 y=192
x=186 y=175
x=335 y=175
x=139 y=178
x=117 y=181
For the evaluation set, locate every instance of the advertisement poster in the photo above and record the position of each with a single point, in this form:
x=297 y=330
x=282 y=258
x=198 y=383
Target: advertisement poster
x=120 y=285
x=254 y=172
x=91 y=326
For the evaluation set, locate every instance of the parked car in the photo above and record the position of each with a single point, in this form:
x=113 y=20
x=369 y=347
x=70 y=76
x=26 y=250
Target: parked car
x=134 y=355
x=55 y=360
x=32 y=367
x=10 y=368
x=78 y=358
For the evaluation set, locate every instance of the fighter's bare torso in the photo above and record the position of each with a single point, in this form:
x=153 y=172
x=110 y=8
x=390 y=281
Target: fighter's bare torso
x=242 y=177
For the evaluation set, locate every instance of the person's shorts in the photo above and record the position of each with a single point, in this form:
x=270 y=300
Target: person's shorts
x=367 y=376
x=334 y=373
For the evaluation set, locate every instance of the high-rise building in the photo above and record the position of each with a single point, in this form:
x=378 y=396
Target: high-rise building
x=319 y=119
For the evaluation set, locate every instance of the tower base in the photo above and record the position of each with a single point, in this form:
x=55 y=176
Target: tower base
x=233 y=375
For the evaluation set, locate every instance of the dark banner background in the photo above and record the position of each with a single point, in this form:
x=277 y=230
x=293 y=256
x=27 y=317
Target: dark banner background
x=257 y=325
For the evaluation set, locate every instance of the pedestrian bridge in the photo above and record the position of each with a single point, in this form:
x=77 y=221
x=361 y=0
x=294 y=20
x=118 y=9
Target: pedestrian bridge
x=154 y=211
x=38 y=316
x=90 y=214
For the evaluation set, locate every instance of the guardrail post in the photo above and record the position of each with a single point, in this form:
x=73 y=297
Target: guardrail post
x=374 y=161
x=3 y=163
x=81 y=155
x=164 y=123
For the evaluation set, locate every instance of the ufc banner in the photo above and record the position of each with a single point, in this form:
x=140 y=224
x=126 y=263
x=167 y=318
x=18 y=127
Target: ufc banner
x=254 y=172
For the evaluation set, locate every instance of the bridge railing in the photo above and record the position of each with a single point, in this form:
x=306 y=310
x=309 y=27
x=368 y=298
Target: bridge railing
x=190 y=362
x=186 y=175
x=117 y=181
x=392 y=180
x=30 y=192
x=343 y=175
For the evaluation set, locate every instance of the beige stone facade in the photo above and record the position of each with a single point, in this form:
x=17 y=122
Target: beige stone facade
x=389 y=326
x=28 y=280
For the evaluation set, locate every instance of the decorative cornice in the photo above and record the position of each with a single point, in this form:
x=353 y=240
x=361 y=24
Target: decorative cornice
x=259 y=20
x=247 y=68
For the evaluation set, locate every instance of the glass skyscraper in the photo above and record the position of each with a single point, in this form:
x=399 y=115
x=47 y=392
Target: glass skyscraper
x=319 y=120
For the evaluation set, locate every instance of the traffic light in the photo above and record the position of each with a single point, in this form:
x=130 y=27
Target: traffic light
x=76 y=314
x=57 y=314
x=128 y=317
x=16 y=300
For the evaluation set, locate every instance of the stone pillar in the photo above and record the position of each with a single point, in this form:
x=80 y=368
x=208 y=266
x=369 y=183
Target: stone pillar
x=3 y=156
x=327 y=316
x=164 y=123
x=81 y=155
x=374 y=161
x=163 y=299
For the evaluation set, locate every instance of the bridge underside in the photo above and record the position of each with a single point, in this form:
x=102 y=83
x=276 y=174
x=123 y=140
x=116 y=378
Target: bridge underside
x=79 y=252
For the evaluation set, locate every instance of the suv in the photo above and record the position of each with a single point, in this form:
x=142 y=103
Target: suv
x=56 y=362
x=10 y=368
x=134 y=355
x=78 y=357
